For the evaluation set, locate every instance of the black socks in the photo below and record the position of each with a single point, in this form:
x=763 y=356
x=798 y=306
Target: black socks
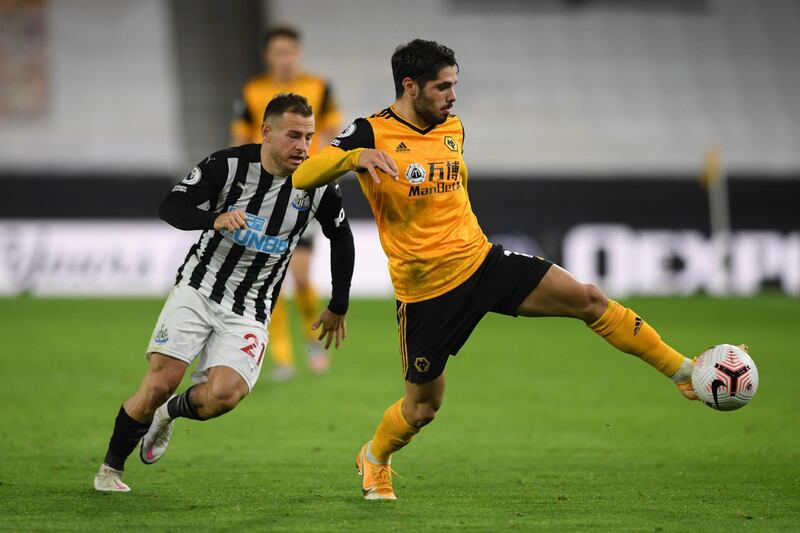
x=127 y=433
x=181 y=406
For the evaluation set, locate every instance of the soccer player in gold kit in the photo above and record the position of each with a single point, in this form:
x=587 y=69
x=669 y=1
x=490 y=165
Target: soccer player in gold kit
x=445 y=272
x=282 y=52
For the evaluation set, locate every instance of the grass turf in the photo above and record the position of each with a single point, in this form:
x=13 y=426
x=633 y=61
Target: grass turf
x=544 y=427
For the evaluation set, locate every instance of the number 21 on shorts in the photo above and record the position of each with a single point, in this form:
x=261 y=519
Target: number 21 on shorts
x=252 y=348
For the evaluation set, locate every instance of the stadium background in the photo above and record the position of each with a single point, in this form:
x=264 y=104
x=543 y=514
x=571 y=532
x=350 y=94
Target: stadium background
x=587 y=126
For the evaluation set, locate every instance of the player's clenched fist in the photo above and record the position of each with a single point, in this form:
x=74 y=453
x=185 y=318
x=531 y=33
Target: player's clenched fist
x=231 y=221
x=377 y=159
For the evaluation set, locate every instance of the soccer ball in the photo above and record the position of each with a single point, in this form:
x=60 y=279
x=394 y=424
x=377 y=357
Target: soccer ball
x=725 y=377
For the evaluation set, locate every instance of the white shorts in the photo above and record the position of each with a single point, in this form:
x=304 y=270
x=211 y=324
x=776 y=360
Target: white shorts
x=192 y=325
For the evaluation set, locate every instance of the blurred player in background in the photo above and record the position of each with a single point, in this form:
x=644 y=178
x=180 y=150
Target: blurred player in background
x=252 y=217
x=281 y=53
x=445 y=272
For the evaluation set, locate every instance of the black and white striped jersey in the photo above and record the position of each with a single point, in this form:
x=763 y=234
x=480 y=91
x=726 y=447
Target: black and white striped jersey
x=243 y=270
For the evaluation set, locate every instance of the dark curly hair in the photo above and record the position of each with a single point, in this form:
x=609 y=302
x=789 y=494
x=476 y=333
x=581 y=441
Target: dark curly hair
x=420 y=60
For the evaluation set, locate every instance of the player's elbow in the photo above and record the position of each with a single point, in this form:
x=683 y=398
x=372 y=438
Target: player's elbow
x=342 y=237
x=167 y=213
x=164 y=211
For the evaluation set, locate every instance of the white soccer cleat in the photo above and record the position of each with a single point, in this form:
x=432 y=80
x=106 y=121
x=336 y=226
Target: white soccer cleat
x=108 y=479
x=156 y=440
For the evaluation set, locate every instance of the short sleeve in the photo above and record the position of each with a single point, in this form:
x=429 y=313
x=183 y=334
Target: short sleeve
x=359 y=134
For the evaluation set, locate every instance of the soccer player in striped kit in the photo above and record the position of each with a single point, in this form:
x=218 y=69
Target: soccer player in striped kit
x=282 y=53
x=252 y=216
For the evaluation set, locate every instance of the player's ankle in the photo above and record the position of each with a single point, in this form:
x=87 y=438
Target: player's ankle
x=684 y=372
x=375 y=460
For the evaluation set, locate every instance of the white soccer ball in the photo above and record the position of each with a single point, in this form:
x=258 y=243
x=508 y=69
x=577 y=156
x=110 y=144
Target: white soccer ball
x=725 y=377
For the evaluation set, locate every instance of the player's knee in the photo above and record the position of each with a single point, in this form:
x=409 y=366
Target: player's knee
x=156 y=392
x=594 y=303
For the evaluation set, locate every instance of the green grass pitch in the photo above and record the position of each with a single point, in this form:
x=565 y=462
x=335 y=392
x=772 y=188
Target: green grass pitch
x=544 y=427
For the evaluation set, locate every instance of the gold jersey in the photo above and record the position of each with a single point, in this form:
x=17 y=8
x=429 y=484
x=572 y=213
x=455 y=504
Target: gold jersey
x=425 y=220
x=257 y=92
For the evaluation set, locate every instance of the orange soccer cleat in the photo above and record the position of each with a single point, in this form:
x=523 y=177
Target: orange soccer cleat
x=376 y=479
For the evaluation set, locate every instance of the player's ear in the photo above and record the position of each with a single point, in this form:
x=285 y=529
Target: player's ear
x=265 y=131
x=411 y=87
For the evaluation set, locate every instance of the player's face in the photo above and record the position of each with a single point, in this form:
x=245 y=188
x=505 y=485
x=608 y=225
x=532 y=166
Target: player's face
x=282 y=57
x=434 y=102
x=288 y=138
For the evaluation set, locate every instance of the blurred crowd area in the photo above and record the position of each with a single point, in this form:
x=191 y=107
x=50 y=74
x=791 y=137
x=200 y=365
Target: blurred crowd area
x=589 y=87
x=587 y=124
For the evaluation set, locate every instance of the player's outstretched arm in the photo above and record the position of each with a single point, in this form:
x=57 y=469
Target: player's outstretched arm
x=331 y=163
x=324 y=167
x=335 y=227
x=332 y=320
x=354 y=149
